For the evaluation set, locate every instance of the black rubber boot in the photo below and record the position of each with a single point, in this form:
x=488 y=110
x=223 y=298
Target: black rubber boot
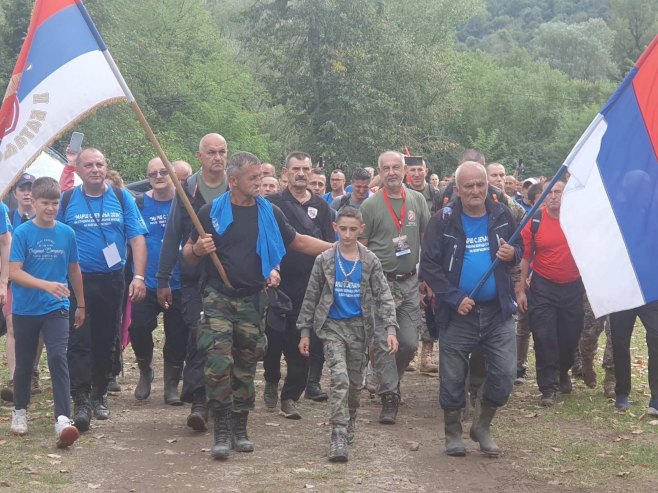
x=390 y=404
x=143 y=388
x=453 y=429
x=241 y=441
x=198 y=416
x=338 y=447
x=172 y=375
x=82 y=411
x=222 y=446
x=481 y=431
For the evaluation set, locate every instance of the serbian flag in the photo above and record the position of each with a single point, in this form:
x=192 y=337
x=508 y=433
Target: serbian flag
x=609 y=210
x=63 y=73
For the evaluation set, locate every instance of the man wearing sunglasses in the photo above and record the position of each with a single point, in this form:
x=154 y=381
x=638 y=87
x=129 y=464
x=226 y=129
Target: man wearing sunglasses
x=154 y=207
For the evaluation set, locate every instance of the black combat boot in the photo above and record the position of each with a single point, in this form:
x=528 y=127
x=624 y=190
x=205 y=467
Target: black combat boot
x=172 y=375
x=143 y=388
x=351 y=426
x=81 y=411
x=241 y=441
x=338 y=447
x=313 y=389
x=480 y=431
x=453 y=429
x=390 y=404
x=100 y=406
x=198 y=416
x=222 y=447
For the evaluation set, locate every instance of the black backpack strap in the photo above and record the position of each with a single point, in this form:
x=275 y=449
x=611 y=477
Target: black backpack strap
x=534 y=227
x=119 y=195
x=66 y=198
x=344 y=200
x=139 y=200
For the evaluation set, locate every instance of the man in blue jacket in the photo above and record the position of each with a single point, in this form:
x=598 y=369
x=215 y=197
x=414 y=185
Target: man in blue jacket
x=460 y=245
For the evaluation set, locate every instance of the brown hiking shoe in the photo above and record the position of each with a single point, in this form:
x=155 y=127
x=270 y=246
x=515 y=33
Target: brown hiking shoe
x=609 y=383
x=426 y=365
x=589 y=375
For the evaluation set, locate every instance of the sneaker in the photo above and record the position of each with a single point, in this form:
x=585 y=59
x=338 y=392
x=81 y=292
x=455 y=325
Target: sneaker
x=7 y=393
x=521 y=376
x=271 y=395
x=653 y=408
x=36 y=386
x=19 y=422
x=65 y=432
x=289 y=409
x=547 y=398
x=621 y=402
x=100 y=407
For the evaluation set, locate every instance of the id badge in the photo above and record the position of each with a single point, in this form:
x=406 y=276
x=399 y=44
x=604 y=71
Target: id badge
x=402 y=247
x=111 y=253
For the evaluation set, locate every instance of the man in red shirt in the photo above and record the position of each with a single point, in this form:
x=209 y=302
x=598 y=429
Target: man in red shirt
x=555 y=302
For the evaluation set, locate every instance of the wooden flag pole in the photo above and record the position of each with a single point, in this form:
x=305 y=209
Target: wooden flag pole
x=179 y=188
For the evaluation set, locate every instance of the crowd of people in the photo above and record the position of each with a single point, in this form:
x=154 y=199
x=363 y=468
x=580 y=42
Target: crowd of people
x=355 y=278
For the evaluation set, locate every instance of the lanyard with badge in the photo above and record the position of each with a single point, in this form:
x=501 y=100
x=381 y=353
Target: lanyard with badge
x=110 y=252
x=401 y=242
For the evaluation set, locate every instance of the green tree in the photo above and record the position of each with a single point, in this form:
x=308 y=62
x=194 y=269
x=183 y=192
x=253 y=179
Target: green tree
x=635 y=23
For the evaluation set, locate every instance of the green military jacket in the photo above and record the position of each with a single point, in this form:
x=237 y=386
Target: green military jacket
x=375 y=294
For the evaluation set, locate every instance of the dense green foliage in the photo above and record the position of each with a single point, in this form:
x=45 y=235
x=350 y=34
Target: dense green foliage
x=345 y=79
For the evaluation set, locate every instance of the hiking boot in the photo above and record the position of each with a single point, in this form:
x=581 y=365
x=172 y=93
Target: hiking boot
x=7 y=393
x=653 y=408
x=81 y=411
x=426 y=365
x=389 y=412
x=101 y=407
x=143 y=388
x=577 y=367
x=65 y=432
x=351 y=426
x=547 y=398
x=338 y=447
x=621 y=402
x=222 y=433
x=36 y=386
x=589 y=375
x=315 y=392
x=241 y=441
x=565 y=384
x=289 y=409
x=609 y=383
x=113 y=385
x=453 y=430
x=521 y=376
x=481 y=431
x=172 y=375
x=198 y=416
x=412 y=364
x=19 y=422
x=271 y=395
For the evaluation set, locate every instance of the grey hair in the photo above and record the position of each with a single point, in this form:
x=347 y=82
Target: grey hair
x=398 y=153
x=471 y=165
x=238 y=161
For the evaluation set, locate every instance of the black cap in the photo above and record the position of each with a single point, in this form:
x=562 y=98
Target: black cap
x=24 y=179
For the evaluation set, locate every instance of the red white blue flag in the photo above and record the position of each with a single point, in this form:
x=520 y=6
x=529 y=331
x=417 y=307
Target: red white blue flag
x=63 y=73
x=609 y=210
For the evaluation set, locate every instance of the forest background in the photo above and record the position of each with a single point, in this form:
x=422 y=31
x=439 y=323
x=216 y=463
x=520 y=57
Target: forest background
x=346 y=79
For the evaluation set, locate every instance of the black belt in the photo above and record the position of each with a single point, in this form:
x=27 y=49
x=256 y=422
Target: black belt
x=232 y=292
x=391 y=276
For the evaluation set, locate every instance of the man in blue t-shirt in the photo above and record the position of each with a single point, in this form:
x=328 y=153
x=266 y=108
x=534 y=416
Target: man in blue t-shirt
x=155 y=207
x=5 y=244
x=459 y=248
x=105 y=220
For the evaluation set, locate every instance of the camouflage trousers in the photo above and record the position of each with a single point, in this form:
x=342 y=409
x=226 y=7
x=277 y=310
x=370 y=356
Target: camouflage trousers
x=345 y=348
x=589 y=339
x=232 y=336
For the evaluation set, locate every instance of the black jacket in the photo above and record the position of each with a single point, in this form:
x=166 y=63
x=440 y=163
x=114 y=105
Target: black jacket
x=442 y=259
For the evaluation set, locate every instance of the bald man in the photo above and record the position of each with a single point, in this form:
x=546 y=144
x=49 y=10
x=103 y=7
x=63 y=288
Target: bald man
x=202 y=188
x=183 y=170
x=268 y=169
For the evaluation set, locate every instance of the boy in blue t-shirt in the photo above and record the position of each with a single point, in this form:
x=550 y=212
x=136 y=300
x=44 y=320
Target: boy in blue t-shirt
x=5 y=244
x=43 y=254
x=347 y=287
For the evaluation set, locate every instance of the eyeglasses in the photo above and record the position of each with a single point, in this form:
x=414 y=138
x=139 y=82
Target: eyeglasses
x=162 y=173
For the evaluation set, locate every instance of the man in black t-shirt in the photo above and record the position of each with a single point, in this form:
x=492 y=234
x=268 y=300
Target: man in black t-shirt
x=311 y=215
x=250 y=237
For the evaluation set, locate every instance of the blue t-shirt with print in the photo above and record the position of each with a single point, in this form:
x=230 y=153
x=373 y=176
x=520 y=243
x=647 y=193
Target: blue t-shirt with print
x=45 y=254
x=155 y=214
x=347 y=293
x=477 y=258
x=5 y=224
x=117 y=225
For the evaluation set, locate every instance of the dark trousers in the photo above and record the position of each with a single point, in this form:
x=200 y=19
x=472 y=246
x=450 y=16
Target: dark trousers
x=315 y=358
x=286 y=343
x=92 y=346
x=556 y=320
x=54 y=327
x=194 y=380
x=621 y=328
x=145 y=320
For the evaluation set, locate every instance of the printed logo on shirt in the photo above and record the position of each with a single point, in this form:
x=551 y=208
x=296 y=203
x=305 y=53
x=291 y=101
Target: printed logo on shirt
x=44 y=250
x=347 y=289
x=312 y=212
x=87 y=220
x=477 y=244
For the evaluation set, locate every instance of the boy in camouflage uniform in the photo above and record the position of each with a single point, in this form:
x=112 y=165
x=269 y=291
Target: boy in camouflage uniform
x=347 y=283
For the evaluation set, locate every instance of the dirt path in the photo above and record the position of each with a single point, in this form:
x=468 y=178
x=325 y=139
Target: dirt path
x=146 y=446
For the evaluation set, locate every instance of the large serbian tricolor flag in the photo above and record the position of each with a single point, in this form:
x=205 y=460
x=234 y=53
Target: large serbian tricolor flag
x=63 y=73
x=609 y=210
